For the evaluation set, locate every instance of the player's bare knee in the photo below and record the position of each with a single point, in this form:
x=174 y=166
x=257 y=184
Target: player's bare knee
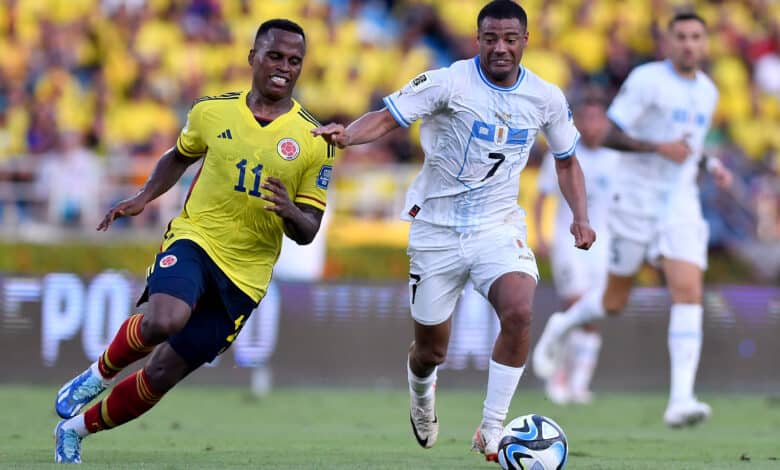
x=165 y=316
x=158 y=328
x=161 y=378
x=161 y=325
x=516 y=319
x=164 y=371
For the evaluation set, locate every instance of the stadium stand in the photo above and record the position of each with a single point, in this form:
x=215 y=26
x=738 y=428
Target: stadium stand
x=93 y=90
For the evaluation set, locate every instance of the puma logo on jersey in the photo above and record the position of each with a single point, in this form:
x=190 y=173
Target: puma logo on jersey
x=503 y=117
x=225 y=135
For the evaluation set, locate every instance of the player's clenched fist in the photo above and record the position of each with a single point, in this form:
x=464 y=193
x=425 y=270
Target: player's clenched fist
x=127 y=207
x=334 y=134
x=584 y=235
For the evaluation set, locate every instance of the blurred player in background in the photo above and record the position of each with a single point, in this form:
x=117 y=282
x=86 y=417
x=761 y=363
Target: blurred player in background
x=480 y=119
x=263 y=176
x=575 y=272
x=659 y=118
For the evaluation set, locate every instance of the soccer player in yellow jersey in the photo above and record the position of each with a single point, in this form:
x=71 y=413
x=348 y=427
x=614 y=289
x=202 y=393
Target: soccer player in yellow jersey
x=263 y=175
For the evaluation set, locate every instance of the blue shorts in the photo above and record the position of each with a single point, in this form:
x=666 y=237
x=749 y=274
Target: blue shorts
x=219 y=308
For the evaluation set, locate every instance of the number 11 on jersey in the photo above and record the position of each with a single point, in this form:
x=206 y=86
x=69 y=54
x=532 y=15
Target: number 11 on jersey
x=257 y=171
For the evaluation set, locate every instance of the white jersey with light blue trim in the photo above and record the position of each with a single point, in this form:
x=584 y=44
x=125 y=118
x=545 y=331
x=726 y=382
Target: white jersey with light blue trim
x=476 y=137
x=598 y=168
x=657 y=104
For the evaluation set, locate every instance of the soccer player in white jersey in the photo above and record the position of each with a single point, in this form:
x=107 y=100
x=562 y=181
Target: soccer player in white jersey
x=660 y=118
x=480 y=118
x=575 y=272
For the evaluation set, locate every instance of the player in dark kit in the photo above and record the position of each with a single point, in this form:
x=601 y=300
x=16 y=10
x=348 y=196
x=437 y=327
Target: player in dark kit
x=263 y=175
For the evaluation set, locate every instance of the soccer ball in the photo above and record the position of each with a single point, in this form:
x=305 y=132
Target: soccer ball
x=532 y=442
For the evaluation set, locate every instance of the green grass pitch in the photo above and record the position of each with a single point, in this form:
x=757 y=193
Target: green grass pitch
x=224 y=428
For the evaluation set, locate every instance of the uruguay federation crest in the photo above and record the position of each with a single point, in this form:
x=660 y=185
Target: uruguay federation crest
x=288 y=149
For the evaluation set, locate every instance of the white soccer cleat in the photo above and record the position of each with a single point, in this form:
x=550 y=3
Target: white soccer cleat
x=486 y=439
x=557 y=387
x=549 y=349
x=686 y=413
x=425 y=423
x=580 y=397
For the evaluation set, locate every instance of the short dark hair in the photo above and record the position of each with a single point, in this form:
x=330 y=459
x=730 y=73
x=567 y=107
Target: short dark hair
x=501 y=9
x=686 y=16
x=279 y=23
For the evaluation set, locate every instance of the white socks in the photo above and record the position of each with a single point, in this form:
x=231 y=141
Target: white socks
x=502 y=383
x=583 y=347
x=585 y=310
x=684 y=349
x=96 y=370
x=421 y=388
x=77 y=424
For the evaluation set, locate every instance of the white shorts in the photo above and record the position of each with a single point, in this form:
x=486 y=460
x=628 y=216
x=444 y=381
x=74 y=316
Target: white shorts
x=442 y=260
x=576 y=271
x=638 y=239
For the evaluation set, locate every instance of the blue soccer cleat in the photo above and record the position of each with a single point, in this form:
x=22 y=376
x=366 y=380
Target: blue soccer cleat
x=74 y=395
x=67 y=445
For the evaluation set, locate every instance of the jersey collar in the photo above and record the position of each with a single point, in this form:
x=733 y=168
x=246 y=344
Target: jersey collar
x=492 y=85
x=250 y=118
x=676 y=74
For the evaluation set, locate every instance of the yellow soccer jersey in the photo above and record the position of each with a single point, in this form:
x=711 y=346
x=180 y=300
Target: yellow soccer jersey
x=223 y=212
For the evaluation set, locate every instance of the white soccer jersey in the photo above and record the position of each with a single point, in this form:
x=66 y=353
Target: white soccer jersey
x=598 y=169
x=476 y=137
x=657 y=104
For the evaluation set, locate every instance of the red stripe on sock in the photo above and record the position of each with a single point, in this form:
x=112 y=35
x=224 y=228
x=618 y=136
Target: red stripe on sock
x=128 y=400
x=127 y=347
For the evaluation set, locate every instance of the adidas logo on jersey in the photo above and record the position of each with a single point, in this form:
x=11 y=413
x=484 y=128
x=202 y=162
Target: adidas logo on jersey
x=225 y=135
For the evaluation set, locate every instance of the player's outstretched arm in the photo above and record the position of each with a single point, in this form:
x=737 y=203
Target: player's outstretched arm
x=366 y=128
x=572 y=184
x=301 y=221
x=166 y=173
x=676 y=151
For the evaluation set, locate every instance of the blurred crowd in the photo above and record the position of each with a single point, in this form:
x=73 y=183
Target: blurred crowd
x=93 y=91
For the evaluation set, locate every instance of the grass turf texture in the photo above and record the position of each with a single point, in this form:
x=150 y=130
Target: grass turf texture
x=198 y=427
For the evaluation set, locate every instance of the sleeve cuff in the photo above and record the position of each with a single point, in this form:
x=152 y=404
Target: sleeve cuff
x=185 y=152
x=310 y=201
x=570 y=152
x=399 y=118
